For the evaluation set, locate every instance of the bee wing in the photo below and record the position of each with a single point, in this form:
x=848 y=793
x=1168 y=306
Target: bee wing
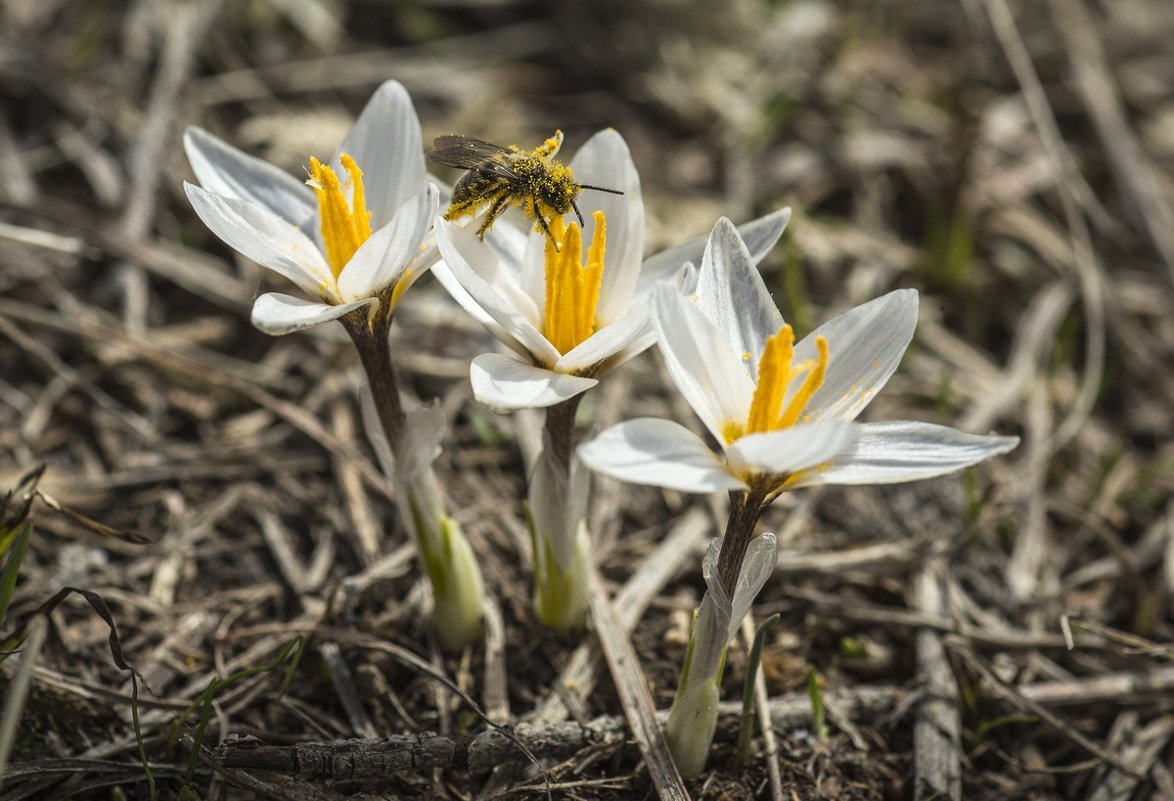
x=464 y=152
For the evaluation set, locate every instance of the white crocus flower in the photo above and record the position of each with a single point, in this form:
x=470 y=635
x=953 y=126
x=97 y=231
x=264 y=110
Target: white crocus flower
x=780 y=411
x=567 y=324
x=351 y=237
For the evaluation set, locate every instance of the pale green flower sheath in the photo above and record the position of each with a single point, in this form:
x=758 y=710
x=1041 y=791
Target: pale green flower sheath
x=353 y=238
x=783 y=415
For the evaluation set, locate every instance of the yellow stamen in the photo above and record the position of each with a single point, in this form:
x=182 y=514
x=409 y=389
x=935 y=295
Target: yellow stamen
x=345 y=226
x=572 y=289
x=774 y=368
x=401 y=286
x=812 y=382
x=776 y=371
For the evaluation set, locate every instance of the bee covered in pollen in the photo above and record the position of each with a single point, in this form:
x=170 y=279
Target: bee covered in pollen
x=499 y=177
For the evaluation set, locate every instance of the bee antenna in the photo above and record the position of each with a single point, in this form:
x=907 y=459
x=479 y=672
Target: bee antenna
x=578 y=213
x=601 y=189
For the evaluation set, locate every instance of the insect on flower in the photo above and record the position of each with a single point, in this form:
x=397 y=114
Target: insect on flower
x=498 y=177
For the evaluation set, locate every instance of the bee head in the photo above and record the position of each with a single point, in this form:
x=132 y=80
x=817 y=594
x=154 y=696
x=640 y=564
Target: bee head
x=559 y=189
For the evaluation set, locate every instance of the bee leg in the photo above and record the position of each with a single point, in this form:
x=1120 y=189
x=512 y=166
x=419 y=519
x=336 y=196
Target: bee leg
x=578 y=213
x=494 y=212
x=545 y=227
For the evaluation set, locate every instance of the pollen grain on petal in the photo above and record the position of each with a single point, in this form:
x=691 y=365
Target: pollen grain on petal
x=732 y=430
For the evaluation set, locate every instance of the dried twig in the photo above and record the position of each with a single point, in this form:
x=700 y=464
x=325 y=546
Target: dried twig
x=373 y=759
x=937 y=733
x=633 y=691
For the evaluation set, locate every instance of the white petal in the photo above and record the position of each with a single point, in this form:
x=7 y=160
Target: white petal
x=263 y=237
x=731 y=293
x=276 y=313
x=478 y=270
x=451 y=285
x=892 y=452
x=223 y=170
x=865 y=345
x=606 y=161
x=628 y=336
x=759 y=235
x=658 y=452
x=532 y=268
x=505 y=384
x=385 y=143
x=790 y=450
x=380 y=260
x=634 y=347
x=714 y=381
x=509 y=243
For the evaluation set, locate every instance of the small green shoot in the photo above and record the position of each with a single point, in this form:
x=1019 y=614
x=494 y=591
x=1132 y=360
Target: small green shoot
x=853 y=648
x=987 y=727
x=746 y=730
x=819 y=722
x=12 y=548
x=15 y=530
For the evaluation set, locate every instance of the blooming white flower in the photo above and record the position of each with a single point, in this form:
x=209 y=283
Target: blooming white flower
x=352 y=236
x=567 y=324
x=781 y=411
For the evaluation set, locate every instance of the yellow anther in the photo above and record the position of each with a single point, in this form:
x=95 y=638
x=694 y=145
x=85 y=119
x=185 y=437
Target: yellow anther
x=811 y=383
x=345 y=226
x=401 y=286
x=572 y=289
x=550 y=147
x=776 y=371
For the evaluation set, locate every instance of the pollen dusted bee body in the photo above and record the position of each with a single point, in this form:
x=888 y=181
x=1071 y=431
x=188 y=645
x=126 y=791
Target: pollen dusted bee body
x=499 y=177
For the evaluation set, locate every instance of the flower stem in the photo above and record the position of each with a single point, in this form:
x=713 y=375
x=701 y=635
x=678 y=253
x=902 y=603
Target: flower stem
x=560 y=427
x=693 y=717
x=370 y=336
x=745 y=507
x=447 y=559
x=558 y=528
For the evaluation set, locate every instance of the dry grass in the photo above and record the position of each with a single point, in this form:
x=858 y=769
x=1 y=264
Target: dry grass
x=1003 y=634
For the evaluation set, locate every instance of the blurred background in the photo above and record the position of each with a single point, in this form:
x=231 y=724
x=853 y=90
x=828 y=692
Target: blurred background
x=1014 y=161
